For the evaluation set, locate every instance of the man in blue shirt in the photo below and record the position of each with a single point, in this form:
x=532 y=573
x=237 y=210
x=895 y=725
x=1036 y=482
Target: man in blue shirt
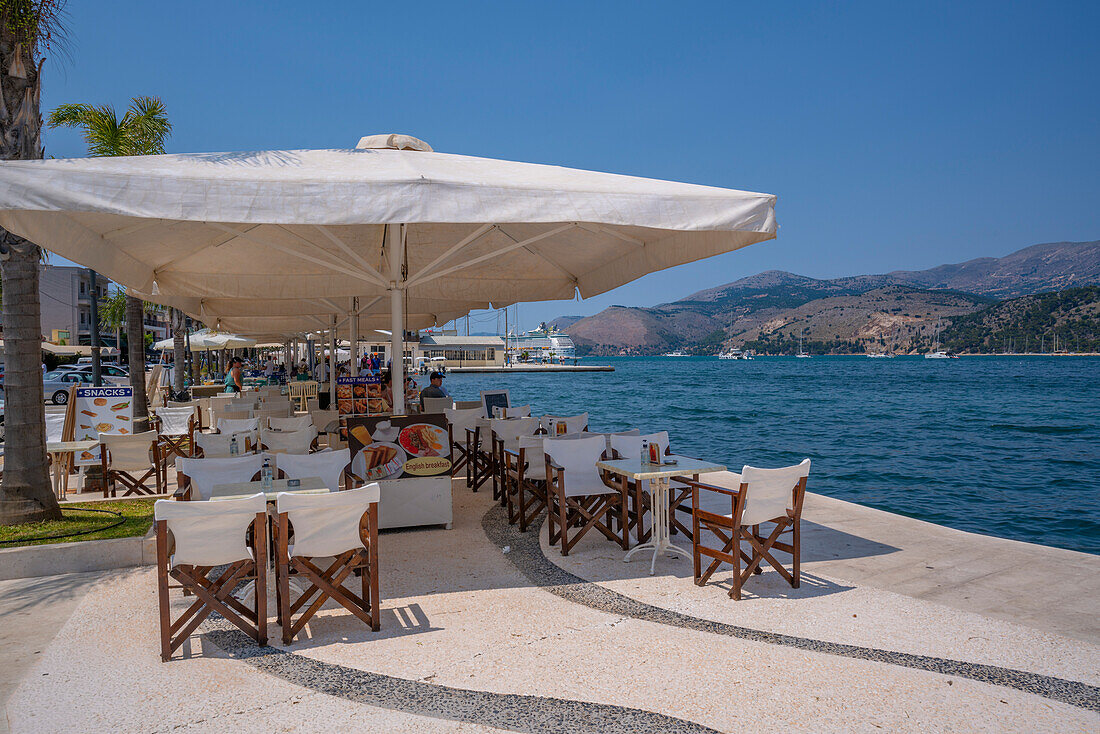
x=434 y=388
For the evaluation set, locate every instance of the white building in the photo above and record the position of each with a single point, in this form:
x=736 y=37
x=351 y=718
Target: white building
x=464 y=351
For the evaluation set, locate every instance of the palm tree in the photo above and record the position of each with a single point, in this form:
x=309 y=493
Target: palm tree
x=141 y=131
x=27 y=29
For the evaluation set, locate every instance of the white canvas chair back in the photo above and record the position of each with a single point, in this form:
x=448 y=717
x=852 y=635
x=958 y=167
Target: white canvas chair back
x=205 y=474
x=509 y=430
x=438 y=405
x=322 y=418
x=467 y=404
x=263 y=415
x=769 y=492
x=278 y=404
x=630 y=447
x=313 y=405
x=220 y=402
x=532 y=453
x=578 y=456
x=217 y=445
x=174 y=421
x=512 y=411
x=210 y=533
x=329 y=465
x=326 y=524
x=294 y=423
x=192 y=404
x=573 y=423
x=247 y=401
x=461 y=420
x=128 y=453
x=55 y=425
x=288 y=442
x=238 y=425
x=234 y=415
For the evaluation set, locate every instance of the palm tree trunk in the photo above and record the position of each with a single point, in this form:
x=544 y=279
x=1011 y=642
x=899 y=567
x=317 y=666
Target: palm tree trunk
x=179 y=359
x=135 y=336
x=25 y=491
x=25 y=494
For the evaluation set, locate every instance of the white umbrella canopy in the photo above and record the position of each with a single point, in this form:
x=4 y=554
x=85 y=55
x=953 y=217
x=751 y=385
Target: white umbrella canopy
x=390 y=217
x=206 y=340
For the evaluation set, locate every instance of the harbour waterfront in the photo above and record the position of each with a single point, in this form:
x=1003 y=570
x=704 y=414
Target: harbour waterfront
x=1005 y=446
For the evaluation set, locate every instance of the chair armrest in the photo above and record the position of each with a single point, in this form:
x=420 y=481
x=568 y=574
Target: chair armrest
x=696 y=484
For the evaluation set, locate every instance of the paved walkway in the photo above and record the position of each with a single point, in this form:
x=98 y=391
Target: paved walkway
x=487 y=628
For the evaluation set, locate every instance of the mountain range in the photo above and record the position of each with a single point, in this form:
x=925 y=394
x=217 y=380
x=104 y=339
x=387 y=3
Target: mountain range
x=771 y=311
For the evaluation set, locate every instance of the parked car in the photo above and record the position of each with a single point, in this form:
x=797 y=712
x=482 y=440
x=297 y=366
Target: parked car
x=56 y=384
x=112 y=374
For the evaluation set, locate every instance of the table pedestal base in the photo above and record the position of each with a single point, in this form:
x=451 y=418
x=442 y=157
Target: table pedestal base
x=659 y=528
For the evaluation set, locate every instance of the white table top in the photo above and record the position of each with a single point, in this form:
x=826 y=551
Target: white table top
x=635 y=469
x=309 y=485
x=64 y=447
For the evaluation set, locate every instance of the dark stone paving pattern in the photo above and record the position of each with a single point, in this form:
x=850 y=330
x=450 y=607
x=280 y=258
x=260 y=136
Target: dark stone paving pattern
x=527 y=556
x=500 y=710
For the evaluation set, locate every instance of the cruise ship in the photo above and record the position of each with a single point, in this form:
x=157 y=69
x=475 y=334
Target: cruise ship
x=544 y=343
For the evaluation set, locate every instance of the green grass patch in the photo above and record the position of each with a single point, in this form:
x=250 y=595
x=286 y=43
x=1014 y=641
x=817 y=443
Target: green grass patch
x=137 y=515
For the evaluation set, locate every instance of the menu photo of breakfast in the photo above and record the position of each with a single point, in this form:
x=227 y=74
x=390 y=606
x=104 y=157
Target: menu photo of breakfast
x=387 y=447
x=101 y=410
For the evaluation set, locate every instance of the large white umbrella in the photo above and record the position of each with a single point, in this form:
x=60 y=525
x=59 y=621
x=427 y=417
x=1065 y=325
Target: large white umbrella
x=207 y=340
x=389 y=218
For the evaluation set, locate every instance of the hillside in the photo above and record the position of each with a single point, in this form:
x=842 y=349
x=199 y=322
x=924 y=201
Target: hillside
x=900 y=309
x=1030 y=324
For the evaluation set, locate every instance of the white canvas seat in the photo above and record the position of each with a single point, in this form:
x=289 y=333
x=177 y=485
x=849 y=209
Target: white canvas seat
x=330 y=466
x=293 y=423
x=512 y=411
x=176 y=432
x=341 y=525
x=198 y=477
x=130 y=460
x=573 y=423
x=577 y=495
x=290 y=442
x=193 y=537
x=734 y=515
x=233 y=414
x=264 y=415
x=218 y=445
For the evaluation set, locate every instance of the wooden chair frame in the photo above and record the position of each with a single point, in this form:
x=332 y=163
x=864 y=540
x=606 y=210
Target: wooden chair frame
x=133 y=485
x=481 y=465
x=327 y=583
x=213 y=594
x=525 y=495
x=730 y=532
x=462 y=449
x=183 y=445
x=583 y=512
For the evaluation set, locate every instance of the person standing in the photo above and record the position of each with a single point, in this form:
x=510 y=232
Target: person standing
x=269 y=367
x=233 y=376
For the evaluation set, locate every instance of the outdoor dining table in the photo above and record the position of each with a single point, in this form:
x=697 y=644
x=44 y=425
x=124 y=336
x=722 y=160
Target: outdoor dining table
x=57 y=452
x=658 y=476
x=238 y=490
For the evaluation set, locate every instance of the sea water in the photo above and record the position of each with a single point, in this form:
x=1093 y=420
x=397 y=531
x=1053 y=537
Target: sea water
x=1006 y=446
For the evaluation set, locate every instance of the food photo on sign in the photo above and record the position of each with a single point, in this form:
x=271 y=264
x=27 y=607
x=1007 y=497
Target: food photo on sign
x=393 y=447
x=99 y=410
x=360 y=395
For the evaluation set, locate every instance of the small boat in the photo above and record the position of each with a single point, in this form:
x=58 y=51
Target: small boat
x=802 y=354
x=880 y=355
x=735 y=354
x=677 y=353
x=939 y=354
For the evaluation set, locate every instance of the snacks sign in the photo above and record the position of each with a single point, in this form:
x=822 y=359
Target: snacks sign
x=392 y=447
x=360 y=395
x=99 y=410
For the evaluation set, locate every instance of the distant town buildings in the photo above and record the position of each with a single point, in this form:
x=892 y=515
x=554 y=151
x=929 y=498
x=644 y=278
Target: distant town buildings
x=66 y=306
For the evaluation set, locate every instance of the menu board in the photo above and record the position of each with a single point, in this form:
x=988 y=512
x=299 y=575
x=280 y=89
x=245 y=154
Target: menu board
x=392 y=447
x=360 y=395
x=491 y=399
x=99 y=410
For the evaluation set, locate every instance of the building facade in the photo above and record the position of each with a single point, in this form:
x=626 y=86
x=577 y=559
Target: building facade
x=464 y=351
x=65 y=294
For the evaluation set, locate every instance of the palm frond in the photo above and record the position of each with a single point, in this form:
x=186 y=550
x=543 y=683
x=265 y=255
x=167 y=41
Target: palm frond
x=103 y=133
x=146 y=124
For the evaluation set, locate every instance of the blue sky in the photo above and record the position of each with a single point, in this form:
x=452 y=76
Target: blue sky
x=896 y=135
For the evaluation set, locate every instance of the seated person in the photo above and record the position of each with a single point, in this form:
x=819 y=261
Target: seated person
x=434 y=388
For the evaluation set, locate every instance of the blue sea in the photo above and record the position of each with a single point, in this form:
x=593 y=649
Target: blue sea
x=1006 y=446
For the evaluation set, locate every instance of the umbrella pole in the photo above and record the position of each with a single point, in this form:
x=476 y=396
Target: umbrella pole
x=354 y=324
x=332 y=365
x=395 y=235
